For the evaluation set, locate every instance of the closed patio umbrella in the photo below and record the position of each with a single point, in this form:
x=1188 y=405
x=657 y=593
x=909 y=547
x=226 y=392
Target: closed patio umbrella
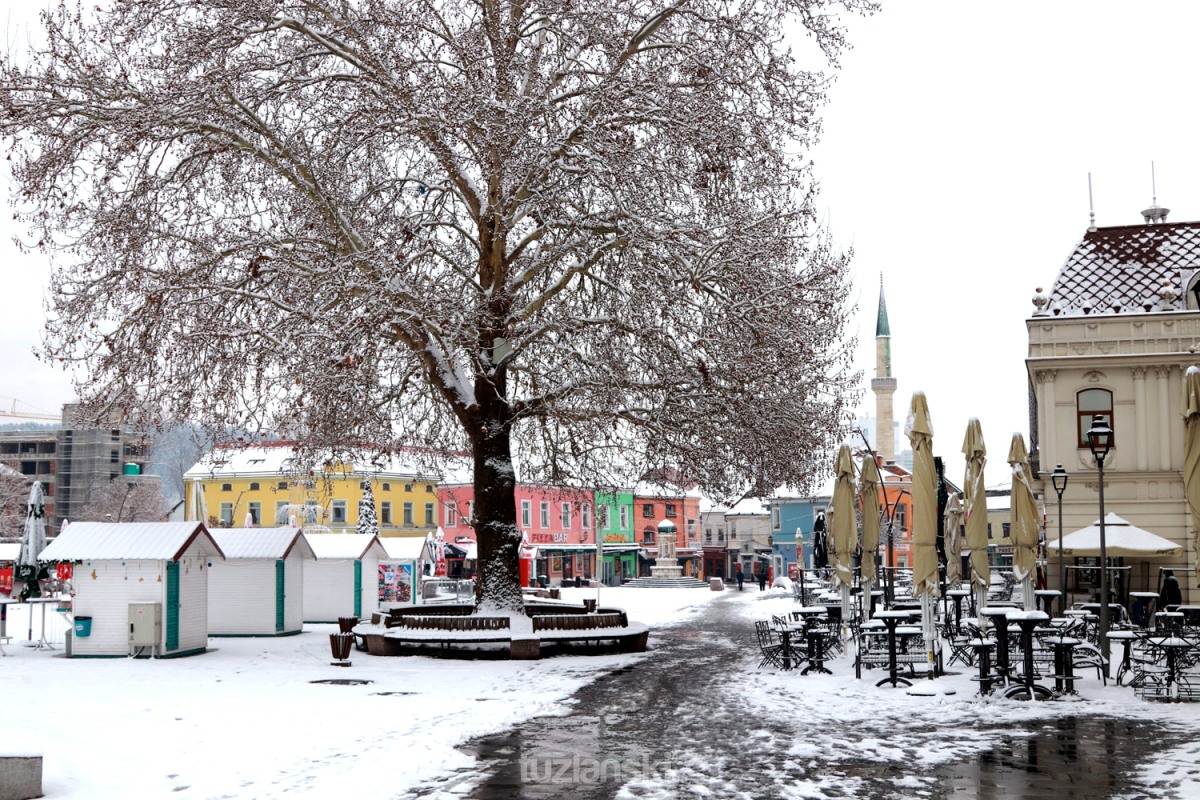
x=1191 y=455
x=820 y=557
x=954 y=541
x=924 y=499
x=842 y=540
x=975 y=512
x=1023 y=527
x=33 y=542
x=869 y=478
x=924 y=522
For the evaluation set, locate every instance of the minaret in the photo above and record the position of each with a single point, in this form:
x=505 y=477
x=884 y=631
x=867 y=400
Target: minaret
x=883 y=384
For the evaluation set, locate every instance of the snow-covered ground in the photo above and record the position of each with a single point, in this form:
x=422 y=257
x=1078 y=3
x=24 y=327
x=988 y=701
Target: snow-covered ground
x=245 y=720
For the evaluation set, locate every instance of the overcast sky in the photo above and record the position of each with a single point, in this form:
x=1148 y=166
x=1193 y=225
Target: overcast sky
x=955 y=159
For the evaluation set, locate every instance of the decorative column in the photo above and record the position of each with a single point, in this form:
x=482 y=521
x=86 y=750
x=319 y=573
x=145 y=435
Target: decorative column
x=1163 y=372
x=1049 y=432
x=1140 y=412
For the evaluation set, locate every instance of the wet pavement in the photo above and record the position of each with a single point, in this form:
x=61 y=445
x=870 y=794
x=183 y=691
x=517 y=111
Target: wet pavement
x=625 y=736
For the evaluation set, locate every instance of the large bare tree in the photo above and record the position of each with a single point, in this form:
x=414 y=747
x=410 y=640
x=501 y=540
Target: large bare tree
x=120 y=500
x=580 y=233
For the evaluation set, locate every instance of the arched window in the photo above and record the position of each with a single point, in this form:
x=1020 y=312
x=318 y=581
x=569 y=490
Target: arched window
x=254 y=487
x=1088 y=404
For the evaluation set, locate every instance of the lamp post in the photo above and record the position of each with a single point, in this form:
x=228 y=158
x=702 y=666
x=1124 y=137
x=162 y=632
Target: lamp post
x=1059 y=479
x=1099 y=438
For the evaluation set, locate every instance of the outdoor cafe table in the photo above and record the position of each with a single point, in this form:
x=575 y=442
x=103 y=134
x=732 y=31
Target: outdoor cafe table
x=1175 y=647
x=1046 y=598
x=806 y=622
x=999 y=619
x=1027 y=621
x=1149 y=601
x=890 y=620
x=1191 y=616
x=1168 y=621
x=1064 y=662
x=957 y=596
x=42 y=643
x=983 y=657
x=1127 y=638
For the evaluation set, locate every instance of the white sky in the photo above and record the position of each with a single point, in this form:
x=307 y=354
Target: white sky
x=245 y=721
x=955 y=158
x=955 y=161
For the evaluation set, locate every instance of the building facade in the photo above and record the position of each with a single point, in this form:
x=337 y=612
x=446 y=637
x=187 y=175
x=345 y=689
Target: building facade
x=1113 y=337
x=557 y=524
x=267 y=484
x=73 y=460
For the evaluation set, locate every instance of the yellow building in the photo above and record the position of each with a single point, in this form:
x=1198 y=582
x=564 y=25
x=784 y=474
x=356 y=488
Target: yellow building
x=266 y=483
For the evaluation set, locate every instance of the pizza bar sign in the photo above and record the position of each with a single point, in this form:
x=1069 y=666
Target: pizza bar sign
x=548 y=538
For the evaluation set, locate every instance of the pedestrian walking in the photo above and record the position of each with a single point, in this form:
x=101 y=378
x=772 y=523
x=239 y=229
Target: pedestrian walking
x=1169 y=595
x=740 y=576
x=762 y=579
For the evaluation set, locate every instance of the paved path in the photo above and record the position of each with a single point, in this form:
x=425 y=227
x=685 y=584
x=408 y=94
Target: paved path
x=673 y=726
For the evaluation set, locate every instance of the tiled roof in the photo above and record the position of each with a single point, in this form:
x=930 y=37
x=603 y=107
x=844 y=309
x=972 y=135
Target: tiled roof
x=151 y=541
x=1121 y=270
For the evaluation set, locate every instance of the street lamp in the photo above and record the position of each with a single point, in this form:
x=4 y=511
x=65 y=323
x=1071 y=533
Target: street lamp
x=1099 y=438
x=1059 y=479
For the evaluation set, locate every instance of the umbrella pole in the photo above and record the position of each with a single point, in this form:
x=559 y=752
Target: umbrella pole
x=980 y=605
x=928 y=604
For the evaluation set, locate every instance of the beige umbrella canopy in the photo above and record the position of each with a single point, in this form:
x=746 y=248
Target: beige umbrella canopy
x=953 y=534
x=975 y=507
x=1023 y=524
x=924 y=497
x=869 y=475
x=1191 y=454
x=841 y=550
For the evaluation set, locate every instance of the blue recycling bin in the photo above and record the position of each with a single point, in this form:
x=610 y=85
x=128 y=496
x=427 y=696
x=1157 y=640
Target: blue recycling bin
x=83 y=627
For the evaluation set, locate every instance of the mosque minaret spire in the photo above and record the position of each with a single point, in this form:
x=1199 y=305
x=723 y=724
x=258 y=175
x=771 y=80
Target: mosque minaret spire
x=883 y=384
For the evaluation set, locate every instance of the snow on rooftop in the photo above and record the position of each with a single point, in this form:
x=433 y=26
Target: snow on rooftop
x=154 y=541
x=261 y=542
x=345 y=545
x=403 y=547
x=281 y=459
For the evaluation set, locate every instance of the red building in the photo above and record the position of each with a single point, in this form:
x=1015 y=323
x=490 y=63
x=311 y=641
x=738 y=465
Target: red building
x=653 y=503
x=558 y=526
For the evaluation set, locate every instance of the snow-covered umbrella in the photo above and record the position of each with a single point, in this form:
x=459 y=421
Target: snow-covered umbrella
x=975 y=512
x=1024 y=521
x=842 y=540
x=869 y=477
x=924 y=521
x=33 y=542
x=952 y=525
x=1191 y=455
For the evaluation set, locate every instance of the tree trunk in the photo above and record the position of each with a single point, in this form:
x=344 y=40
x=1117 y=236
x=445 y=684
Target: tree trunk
x=499 y=584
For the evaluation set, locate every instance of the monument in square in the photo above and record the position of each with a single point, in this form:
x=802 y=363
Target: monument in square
x=666 y=565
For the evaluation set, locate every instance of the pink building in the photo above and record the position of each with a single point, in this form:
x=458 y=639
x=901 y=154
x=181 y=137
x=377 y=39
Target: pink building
x=558 y=526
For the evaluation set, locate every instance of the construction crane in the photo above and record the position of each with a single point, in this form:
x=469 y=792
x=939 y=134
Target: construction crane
x=12 y=412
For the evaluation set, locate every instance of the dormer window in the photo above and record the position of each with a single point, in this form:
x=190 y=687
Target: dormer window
x=1191 y=295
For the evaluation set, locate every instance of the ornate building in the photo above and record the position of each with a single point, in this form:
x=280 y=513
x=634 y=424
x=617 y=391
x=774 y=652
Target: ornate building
x=1113 y=337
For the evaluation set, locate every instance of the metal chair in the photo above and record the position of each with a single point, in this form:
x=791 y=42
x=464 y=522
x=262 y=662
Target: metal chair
x=768 y=644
